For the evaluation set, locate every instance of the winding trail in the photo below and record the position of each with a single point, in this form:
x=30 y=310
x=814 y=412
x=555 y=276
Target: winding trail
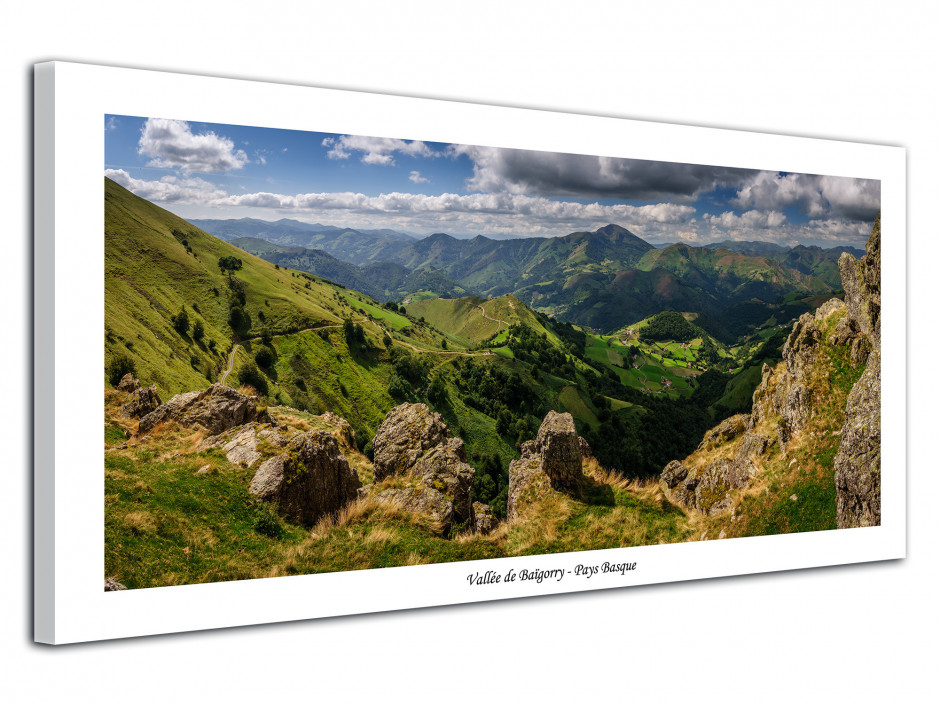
x=231 y=363
x=498 y=322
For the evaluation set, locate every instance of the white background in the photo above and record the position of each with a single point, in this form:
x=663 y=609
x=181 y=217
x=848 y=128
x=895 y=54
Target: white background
x=860 y=71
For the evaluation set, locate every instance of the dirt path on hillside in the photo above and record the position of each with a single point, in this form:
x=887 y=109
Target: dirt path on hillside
x=498 y=322
x=231 y=363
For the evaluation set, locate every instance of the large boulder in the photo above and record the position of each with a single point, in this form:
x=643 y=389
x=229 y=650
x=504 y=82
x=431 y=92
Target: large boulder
x=215 y=409
x=552 y=460
x=312 y=478
x=407 y=432
x=414 y=441
x=560 y=450
x=797 y=407
x=141 y=403
x=713 y=492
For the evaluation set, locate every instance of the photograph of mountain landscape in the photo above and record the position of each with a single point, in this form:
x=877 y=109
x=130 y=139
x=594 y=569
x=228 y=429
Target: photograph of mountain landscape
x=333 y=352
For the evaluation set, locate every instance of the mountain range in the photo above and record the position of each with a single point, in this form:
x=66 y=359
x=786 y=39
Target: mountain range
x=604 y=279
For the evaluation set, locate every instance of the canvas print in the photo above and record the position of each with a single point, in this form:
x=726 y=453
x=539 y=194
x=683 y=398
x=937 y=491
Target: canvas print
x=333 y=352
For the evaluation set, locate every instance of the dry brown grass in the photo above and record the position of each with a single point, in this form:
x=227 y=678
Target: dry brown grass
x=139 y=522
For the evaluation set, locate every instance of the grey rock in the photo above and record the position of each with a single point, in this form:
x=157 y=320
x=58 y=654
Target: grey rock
x=727 y=430
x=407 y=432
x=832 y=306
x=797 y=407
x=861 y=280
x=443 y=469
x=674 y=473
x=128 y=383
x=414 y=441
x=112 y=585
x=529 y=449
x=858 y=460
x=215 y=409
x=799 y=352
x=484 y=521
x=141 y=403
x=753 y=446
x=310 y=480
x=559 y=450
x=422 y=500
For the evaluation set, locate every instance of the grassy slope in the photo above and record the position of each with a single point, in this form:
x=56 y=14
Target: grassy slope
x=150 y=276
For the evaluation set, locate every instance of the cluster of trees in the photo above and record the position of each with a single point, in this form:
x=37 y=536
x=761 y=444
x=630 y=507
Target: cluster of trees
x=354 y=334
x=533 y=347
x=669 y=325
x=490 y=483
x=392 y=306
x=502 y=395
x=409 y=380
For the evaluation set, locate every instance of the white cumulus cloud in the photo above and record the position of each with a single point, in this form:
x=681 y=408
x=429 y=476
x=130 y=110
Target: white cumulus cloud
x=172 y=144
x=415 y=177
x=375 y=150
x=169 y=189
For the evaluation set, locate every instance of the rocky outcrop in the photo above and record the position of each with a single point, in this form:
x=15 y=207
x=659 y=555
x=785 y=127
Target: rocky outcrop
x=310 y=479
x=727 y=430
x=709 y=490
x=215 y=409
x=142 y=402
x=342 y=429
x=112 y=585
x=128 y=383
x=559 y=450
x=407 y=432
x=787 y=398
x=484 y=521
x=415 y=442
x=861 y=280
x=552 y=460
x=858 y=460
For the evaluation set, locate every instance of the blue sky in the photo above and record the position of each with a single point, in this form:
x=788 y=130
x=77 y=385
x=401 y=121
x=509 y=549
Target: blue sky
x=200 y=170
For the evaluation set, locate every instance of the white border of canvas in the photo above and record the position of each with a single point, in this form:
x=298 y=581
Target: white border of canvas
x=70 y=103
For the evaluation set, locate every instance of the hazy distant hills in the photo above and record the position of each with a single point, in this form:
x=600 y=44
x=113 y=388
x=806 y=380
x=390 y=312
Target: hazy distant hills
x=356 y=246
x=382 y=280
x=603 y=279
